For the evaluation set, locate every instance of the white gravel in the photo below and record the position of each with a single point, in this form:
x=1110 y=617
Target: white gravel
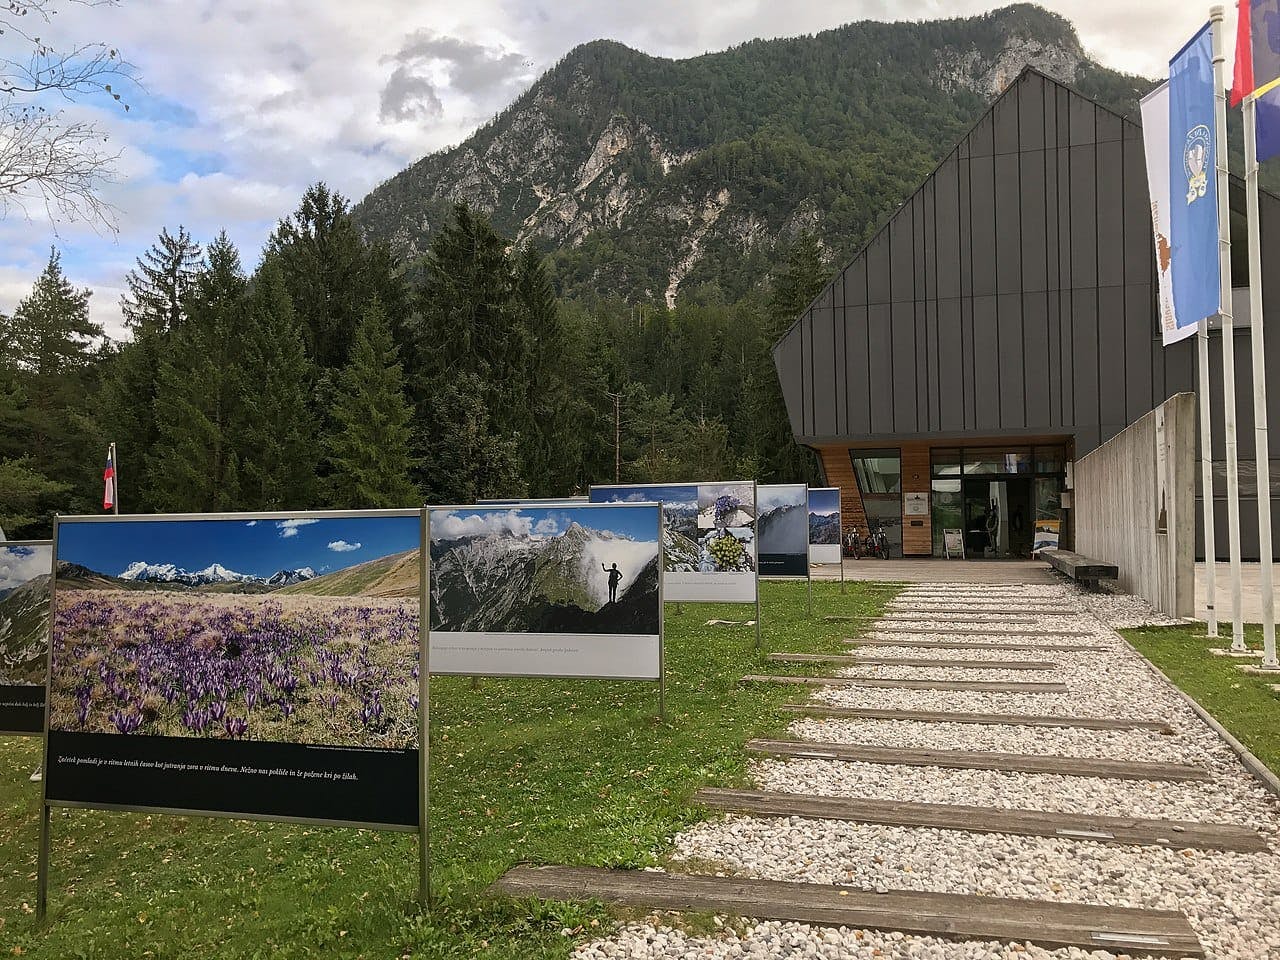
x=772 y=939
x=1232 y=900
x=1139 y=745
x=1236 y=799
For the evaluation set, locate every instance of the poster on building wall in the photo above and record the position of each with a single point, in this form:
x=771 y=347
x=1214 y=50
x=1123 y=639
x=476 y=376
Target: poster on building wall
x=709 y=537
x=915 y=504
x=565 y=591
x=783 y=529
x=824 y=525
x=260 y=665
x=26 y=568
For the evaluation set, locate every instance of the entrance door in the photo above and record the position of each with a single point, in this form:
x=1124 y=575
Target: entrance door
x=999 y=518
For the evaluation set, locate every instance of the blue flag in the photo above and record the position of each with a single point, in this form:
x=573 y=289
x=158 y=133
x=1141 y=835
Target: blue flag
x=1193 y=184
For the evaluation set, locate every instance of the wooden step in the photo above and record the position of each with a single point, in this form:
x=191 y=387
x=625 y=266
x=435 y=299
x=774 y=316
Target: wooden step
x=1012 y=719
x=978 y=632
x=950 y=915
x=980 y=760
x=1175 y=834
x=976 y=645
x=987 y=686
x=863 y=661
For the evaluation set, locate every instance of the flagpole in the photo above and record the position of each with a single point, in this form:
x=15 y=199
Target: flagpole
x=1228 y=328
x=1261 y=451
x=1206 y=481
x=115 y=481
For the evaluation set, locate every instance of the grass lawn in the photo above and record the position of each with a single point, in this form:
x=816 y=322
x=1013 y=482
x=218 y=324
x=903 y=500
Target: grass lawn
x=522 y=770
x=1242 y=703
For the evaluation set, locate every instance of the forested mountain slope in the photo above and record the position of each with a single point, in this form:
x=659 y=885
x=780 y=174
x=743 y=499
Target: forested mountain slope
x=643 y=175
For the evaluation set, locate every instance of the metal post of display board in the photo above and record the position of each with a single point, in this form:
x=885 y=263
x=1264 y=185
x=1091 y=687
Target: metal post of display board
x=42 y=863
x=755 y=549
x=662 y=615
x=424 y=714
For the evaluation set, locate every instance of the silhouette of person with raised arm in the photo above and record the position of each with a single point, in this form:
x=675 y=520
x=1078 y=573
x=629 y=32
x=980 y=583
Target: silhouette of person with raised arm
x=615 y=577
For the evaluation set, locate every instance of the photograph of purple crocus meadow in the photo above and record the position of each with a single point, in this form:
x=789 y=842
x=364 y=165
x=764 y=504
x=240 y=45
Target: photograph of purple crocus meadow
x=301 y=629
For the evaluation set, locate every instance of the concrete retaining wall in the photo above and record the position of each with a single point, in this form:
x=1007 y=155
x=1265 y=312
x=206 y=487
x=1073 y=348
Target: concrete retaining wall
x=1133 y=505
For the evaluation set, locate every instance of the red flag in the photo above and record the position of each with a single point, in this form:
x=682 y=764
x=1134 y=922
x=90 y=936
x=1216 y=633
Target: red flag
x=109 y=480
x=1242 y=79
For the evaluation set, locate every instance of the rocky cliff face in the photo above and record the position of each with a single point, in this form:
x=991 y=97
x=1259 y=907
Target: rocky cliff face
x=649 y=176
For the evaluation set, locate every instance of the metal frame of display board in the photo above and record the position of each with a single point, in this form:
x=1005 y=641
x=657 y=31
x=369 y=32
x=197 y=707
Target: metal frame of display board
x=53 y=565
x=662 y=673
x=424 y=671
x=46 y=805
x=808 y=569
x=839 y=537
x=755 y=539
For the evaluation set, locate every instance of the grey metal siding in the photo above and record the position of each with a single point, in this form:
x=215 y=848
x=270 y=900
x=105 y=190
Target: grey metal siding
x=1013 y=293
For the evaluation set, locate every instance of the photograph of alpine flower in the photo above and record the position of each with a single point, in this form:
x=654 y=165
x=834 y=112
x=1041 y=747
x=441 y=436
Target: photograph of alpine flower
x=727 y=550
x=566 y=569
x=298 y=630
x=24 y=612
x=726 y=505
x=783 y=529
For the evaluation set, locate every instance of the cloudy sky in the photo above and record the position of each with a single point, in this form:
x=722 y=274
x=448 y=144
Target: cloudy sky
x=245 y=103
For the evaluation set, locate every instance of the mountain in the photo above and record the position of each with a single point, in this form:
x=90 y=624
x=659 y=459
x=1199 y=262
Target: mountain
x=287 y=578
x=504 y=582
x=824 y=528
x=24 y=632
x=213 y=575
x=784 y=529
x=646 y=176
x=395 y=575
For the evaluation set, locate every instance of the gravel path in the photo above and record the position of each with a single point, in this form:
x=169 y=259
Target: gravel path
x=1232 y=900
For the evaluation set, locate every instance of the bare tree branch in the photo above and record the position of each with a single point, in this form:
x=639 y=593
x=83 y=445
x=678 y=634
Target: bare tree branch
x=47 y=159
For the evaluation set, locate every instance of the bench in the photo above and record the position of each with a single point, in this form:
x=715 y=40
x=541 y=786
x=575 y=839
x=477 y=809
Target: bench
x=1080 y=568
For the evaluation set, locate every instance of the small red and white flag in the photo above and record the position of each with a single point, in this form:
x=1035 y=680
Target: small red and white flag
x=109 y=480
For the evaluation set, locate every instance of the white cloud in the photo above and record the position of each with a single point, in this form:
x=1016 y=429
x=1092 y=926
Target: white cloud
x=546 y=527
x=342 y=546
x=251 y=523
x=242 y=109
x=452 y=525
x=289 y=528
x=20 y=564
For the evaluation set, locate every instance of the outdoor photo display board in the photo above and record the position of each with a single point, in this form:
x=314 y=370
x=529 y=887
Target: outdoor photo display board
x=824 y=524
x=546 y=591
x=252 y=665
x=783 y=529
x=26 y=567
x=709 y=537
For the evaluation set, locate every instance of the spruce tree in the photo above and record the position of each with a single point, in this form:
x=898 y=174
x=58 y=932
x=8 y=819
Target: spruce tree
x=368 y=450
x=194 y=465
x=332 y=274
x=158 y=285
x=154 y=306
x=277 y=429
x=464 y=458
x=46 y=380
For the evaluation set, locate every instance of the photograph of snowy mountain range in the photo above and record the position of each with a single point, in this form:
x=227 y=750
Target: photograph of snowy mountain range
x=824 y=516
x=783 y=530
x=567 y=569
x=24 y=612
x=301 y=629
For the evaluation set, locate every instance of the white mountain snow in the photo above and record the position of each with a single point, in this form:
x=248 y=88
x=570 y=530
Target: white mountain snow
x=214 y=573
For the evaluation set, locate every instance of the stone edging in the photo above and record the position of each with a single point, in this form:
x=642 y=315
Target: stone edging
x=1260 y=771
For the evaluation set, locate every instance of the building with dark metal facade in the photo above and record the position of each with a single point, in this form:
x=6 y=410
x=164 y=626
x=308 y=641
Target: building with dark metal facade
x=1002 y=323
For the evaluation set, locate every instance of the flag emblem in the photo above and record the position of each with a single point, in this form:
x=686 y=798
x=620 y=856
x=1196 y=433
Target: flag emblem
x=109 y=480
x=1195 y=161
